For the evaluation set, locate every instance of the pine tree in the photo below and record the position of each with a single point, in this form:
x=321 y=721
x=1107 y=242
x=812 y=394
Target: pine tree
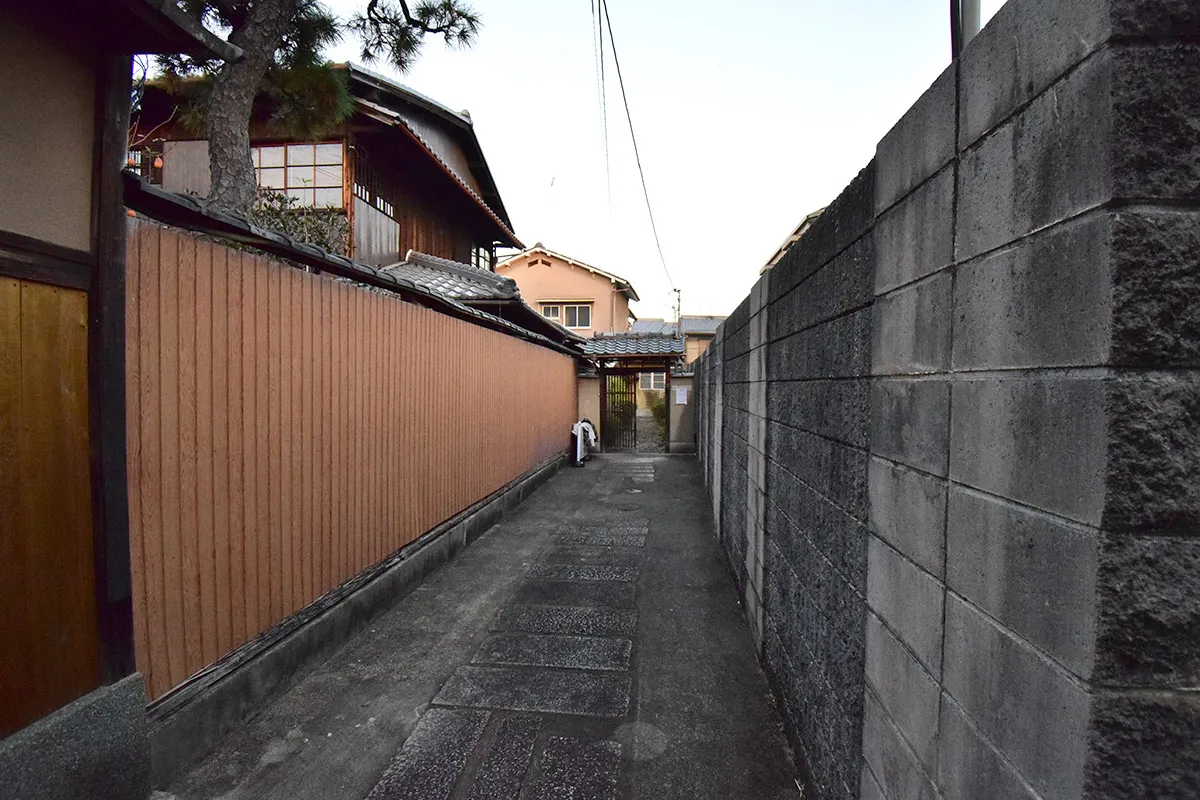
x=284 y=42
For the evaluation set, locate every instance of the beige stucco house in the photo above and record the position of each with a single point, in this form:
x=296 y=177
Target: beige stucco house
x=578 y=296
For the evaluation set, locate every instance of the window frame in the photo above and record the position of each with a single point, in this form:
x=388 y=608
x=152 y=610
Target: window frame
x=655 y=377
x=291 y=164
x=576 y=306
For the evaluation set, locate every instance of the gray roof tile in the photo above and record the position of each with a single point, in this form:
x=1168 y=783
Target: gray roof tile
x=633 y=344
x=692 y=324
x=452 y=279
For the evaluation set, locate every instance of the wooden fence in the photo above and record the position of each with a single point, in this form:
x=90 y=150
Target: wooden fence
x=287 y=430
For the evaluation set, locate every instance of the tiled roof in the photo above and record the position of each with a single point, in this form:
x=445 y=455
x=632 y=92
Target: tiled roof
x=452 y=279
x=693 y=325
x=400 y=94
x=189 y=212
x=653 y=326
x=698 y=325
x=633 y=344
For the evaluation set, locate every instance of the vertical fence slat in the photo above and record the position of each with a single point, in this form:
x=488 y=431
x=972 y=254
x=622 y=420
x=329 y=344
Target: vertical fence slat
x=286 y=529
x=168 y=356
x=235 y=287
x=250 y=449
x=262 y=427
x=293 y=425
x=304 y=484
x=355 y=345
x=133 y=447
x=220 y=411
x=206 y=547
x=325 y=487
x=189 y=565
x=149 y=470
x=344 y=415
x=275 y=564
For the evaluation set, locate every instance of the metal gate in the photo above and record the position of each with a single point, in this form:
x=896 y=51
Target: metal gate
x=618 y=424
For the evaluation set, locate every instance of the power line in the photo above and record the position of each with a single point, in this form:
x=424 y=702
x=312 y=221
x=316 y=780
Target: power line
x=601 y=93
x=645 y=192
x=604 y=114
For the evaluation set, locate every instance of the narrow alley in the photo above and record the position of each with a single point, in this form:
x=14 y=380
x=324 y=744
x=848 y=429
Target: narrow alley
x=591 y=645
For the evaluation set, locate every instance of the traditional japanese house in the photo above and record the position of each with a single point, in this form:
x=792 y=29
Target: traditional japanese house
x=407 y=172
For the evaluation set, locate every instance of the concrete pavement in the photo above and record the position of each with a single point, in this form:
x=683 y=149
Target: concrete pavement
x=589 y=646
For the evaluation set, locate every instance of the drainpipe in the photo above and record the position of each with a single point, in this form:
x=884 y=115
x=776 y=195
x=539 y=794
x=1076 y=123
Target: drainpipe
x=964 y=24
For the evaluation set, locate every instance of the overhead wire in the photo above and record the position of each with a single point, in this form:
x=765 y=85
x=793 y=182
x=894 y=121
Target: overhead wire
x=604 y=112
x=636 y=154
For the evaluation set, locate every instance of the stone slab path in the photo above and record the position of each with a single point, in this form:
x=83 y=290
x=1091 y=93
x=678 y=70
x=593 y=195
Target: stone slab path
x=591 y=646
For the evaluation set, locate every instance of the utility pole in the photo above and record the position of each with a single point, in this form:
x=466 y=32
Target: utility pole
x=964 y=24
x=678 y=311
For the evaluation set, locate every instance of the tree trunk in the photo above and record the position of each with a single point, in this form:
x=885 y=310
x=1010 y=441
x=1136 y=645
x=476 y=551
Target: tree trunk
x=234 y=88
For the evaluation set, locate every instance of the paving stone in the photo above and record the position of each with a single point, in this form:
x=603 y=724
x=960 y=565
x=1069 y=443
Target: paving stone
x=578 y=769
x=571 y=572
x=596 y=524
x=503 y=770
x=605 y=526
x=566 y=619
x=610 y=594
x=432 y=759
x=591 y=554
x=603 y=539
x=555 y=650
x=551 y=691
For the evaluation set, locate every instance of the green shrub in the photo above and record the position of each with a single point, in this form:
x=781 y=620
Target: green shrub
x=658 y=407
x=324 y=227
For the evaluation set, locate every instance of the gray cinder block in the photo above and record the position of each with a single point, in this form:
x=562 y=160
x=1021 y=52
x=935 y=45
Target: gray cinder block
x=1050 y=163
x=915 y=238
x=1025 y=48
x=910 y=328
x=919 y=144
x=1034 y=573
x=1149 y=609
x=1035 y=439
x=890 y=759
x=908 y=600
x=908 y=510
x=1045 y=302
x=908 y=422
x=908 y=693
x=969 y=767
x=1032 y=711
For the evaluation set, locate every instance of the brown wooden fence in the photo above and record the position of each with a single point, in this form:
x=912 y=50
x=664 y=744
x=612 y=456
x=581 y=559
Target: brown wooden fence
x=288 y=430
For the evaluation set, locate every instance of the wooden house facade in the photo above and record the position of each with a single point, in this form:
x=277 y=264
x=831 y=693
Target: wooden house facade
x=71 y=707
x=408 y=173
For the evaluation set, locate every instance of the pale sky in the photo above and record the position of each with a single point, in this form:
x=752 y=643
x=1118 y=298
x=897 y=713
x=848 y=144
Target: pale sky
x=748 y=115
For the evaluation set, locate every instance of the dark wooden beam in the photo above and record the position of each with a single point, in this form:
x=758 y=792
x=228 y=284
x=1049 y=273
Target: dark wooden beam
x=106 y=381
x=32 y=259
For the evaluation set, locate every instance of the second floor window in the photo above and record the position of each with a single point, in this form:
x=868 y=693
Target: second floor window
x=311 y=173
x=574 y=315
x=481 y=258
x=652 y=381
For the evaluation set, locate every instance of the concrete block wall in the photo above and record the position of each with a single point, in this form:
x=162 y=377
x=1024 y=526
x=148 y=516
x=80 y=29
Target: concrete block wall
x=981 y=540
